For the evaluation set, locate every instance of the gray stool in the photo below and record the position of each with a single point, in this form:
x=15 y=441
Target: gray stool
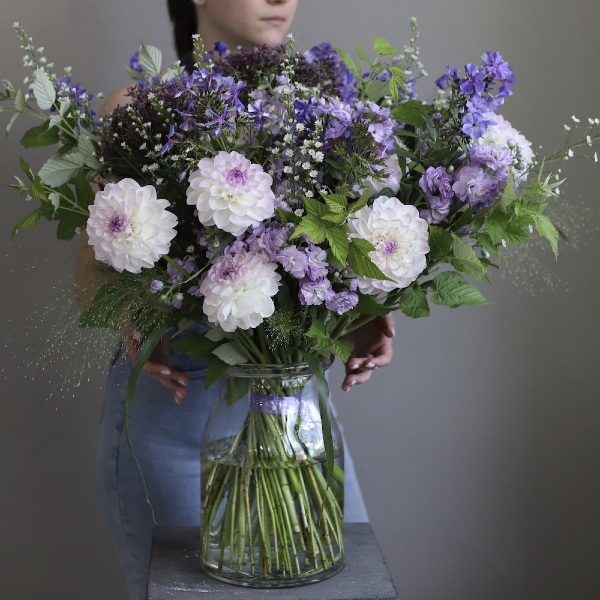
x=175 y=572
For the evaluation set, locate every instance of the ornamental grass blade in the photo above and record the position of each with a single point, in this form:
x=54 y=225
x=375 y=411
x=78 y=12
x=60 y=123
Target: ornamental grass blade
x=144 y=354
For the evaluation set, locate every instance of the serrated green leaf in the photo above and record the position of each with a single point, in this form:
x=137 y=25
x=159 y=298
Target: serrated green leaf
x=36 y=189
x=40 y=136
x=27 y=222
x=376 y=90
x=362 y=54
x=349 y=61
x=336 y=203
x=367 y=305
x=230 y=353
x=314 y=207
x=83 y=190
x=451 y=289
x=342 y=348
x=150 y=59
x=87 y=149
x=465 y=260
x=337 y=219
x=360 y=261
x=20 y=103
x=60 y=170
x=286 y=216
x=26 y=168
x=11 y=122
x=68 y=225
x=338 y=242
x=547 y=229
x=361 y=202
x=508 y=195
x=312 y=227
x=383 y=47
x=440 y=243
x=216 y=369
x=413 y=302
x=43 y=90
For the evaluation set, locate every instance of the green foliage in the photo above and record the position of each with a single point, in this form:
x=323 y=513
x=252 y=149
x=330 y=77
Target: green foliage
x=451 y=289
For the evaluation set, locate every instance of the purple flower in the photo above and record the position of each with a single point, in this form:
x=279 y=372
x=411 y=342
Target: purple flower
x=256 y=111
x=342 y=302
x=498 y=67
x=315 y=292
x=175 y=275
x=317 y=265
x=474 y=186
x=156 y=286
x=450 y=76
x=436 y=183
x=474 y=82
x=219 y=121
x=496 y=158
x=293 y=261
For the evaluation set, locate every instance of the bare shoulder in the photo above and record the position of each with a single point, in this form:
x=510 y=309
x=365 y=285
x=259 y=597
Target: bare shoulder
x=118 y=97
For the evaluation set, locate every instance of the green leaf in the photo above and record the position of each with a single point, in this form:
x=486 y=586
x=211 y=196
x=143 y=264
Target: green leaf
x=508 y=195
x=451 y=289
x=60 y=170
x=362 y=54
x=314 y=207
x=342 y=348
x=336 y=203
x=383 y=47
x=150 y=60
x=216 y=370
x=27 y=222
x=87 y=149
x=440 y=243
x=376 y=90
x=413 y=302
x=312 y=227
x=338 y=242
x=230 y=353
x=547 y=229
x=43 y=90
x=367 y=305
x=69 y=224
x=360 y=261
x=195 y=345
x=349 y=61
x=411 y=112
x=361 y=202
x=20 y=103
x=83 y=190
x=465 y=260
x=40 y=136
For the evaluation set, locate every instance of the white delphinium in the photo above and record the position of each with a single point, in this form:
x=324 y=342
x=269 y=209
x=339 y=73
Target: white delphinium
x=129 y=227
x=238 y=290
x=231 y=192
x=400 y=238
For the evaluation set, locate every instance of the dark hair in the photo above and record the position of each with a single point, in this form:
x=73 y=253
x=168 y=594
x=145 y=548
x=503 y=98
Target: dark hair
x=183 y=16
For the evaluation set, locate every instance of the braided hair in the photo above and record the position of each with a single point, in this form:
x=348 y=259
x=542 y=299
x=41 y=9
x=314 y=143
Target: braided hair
x=183 y=16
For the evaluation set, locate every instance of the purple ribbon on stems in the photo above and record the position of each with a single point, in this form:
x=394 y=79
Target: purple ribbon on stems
x=272 y=404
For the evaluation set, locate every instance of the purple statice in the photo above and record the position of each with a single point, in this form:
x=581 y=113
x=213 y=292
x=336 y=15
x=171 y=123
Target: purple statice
x=342 y=302
x=314 y=292
x=293 y=261
x=436 y=184
x=188 y=264
x=495 y=158
x=268 y=240
x=475 y=187
x=317 y=265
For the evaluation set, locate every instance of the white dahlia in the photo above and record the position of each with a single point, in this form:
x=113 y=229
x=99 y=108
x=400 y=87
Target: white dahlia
x=129 y=227
x=231 y=192
x=400 y=238
x=238 y=290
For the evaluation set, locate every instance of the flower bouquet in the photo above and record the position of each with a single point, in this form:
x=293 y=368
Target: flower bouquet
x=283 y=200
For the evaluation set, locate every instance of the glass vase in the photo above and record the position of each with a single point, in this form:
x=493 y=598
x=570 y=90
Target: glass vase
x=272 y=507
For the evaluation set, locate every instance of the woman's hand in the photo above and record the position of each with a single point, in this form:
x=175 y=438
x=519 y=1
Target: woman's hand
x=372 y=349
x=157 y=366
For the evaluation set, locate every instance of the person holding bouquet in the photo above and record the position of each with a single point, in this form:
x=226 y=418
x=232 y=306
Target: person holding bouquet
x=167 y=434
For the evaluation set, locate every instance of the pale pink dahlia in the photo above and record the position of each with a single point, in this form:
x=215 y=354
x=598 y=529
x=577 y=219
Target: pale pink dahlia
x=231 y=192
x=238 y=290
x=400 y=238
x=129 y=227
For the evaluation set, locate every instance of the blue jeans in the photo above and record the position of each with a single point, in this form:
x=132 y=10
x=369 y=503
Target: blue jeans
x=166 y=438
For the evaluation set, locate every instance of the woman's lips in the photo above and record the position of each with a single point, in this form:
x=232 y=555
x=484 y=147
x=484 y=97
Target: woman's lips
x=276 y=21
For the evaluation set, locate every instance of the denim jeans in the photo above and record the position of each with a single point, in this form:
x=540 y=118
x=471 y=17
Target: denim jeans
x=166 y=439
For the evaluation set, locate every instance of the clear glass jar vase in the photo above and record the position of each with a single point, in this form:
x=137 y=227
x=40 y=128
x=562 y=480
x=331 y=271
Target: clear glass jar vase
x=272 y=507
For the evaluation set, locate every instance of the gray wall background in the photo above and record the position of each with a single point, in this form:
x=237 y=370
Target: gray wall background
x=478 y=450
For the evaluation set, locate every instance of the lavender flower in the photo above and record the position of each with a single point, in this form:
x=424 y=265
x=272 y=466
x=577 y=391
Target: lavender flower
x=474 y=186
x=342 y=302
